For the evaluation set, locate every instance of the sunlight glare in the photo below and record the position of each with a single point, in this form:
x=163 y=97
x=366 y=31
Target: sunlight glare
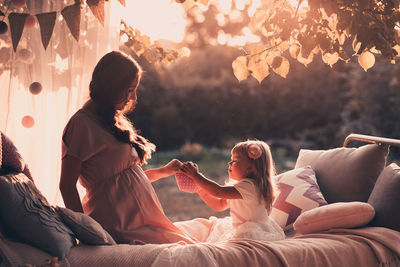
x=254 y=6
x=60 y=64
x=159 y=19
x=221 y=20
x=235 y=16
x=241 y=4
x=222 y=37
x=225 y=6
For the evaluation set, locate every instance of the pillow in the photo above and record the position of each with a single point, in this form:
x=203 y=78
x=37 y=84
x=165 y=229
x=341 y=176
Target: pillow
x=185 y=183
x=30 y=217
x=11 y=160
x=298 y=191
x=336 y=215
x=85 y=228
x=346 y=174
x=385 y=198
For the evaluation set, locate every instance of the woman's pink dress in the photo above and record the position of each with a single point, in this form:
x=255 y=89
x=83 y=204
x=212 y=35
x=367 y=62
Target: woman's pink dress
x=118 y=193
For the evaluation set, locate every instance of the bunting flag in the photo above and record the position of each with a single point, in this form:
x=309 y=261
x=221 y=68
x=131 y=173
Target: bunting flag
x=46 y=23
x=17 y=23
x=97 y=7
x=72 y=16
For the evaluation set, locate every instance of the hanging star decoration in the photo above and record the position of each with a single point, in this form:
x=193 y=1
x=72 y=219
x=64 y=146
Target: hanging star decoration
x=46 y=20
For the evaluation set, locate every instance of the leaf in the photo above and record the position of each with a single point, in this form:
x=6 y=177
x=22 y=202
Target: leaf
x=343 y=55
x=188 y=4
x=283 y=68
x=138 y=48
x=148 y=54
x=305 y=61
x=330 y=59
x=239 y=66
x=203 y=2
x=294 y=50
x=259 y=70
x=184 y=52
x=366 y=60
x=258 y=18
x=356 y=44
x=397 y=49
x=283 y=46
x=258 y=65
x=276 y=63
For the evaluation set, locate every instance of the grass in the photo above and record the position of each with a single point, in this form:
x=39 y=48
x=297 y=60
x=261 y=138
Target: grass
x=212 y=162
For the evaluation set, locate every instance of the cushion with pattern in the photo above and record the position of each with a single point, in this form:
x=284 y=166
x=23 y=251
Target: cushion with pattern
x=298 y=191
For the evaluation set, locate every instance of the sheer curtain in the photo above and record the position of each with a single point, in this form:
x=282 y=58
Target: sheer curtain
x=34 y=119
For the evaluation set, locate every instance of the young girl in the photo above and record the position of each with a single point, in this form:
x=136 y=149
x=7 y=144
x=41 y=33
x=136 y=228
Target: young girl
x=249 y=195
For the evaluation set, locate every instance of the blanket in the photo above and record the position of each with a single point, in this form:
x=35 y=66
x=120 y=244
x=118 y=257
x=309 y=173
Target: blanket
x=368 y=246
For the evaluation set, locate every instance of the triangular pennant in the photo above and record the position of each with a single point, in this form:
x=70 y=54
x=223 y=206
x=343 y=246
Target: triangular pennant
x=72 y=16
x=17 y=23
x=97 y=7
x=46 y=23
x=122 y=2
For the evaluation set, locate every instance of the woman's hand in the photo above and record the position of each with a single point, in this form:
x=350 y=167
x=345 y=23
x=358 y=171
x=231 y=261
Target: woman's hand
x=172 y=167
x=169 y=169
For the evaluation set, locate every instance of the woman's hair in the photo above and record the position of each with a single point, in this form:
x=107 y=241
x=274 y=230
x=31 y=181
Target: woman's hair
x=264 y=167
x=111 y=79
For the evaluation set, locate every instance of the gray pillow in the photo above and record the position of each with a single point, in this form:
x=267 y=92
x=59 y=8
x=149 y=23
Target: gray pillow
x=385 y=198
x=85 y=228
x=345 y=174
x=30 y=217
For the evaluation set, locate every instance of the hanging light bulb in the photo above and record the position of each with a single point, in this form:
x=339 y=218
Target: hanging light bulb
x=28 y=121
x=35 y=88
x=25 y=55
x=30 y=22
x=3 y=27
x=18 y=3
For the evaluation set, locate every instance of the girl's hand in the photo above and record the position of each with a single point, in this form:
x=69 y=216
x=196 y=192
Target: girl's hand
x=190 y=168
x=172 y=167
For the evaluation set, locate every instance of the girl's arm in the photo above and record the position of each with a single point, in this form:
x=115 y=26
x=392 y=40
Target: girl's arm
x=211 y=187
x=70 y=171
x=169 y=169
x=218 y=204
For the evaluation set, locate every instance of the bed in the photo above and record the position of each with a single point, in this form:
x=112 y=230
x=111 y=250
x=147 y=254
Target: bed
x=358 y=225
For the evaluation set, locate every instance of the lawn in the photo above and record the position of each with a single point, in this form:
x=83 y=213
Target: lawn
x=212 y=162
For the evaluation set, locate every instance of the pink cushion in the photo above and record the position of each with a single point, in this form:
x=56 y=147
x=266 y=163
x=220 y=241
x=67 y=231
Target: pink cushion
x=336 y=215
x=298 y=191
x=186 y=184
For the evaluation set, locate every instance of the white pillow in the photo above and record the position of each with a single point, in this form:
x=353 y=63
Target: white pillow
x=298 y=191
x=336 y=215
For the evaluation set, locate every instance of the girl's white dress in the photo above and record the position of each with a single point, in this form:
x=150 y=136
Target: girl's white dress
x=248 y=219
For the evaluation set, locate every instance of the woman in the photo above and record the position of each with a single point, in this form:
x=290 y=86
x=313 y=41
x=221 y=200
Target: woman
x=102 y=150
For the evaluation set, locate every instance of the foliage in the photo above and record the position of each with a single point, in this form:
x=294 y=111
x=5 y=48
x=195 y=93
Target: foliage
x=200 y=101
x=152 y=52
x=324 y=27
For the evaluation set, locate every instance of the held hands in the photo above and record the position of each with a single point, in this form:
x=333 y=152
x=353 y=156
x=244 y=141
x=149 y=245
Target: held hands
x=189 y=168
x=172 y=167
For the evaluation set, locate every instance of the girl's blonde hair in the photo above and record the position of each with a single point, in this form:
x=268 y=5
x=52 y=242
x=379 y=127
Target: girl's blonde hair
x=264 y=169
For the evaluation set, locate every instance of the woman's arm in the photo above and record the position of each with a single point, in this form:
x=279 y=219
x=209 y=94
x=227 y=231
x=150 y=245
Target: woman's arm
x=211 y=187
x=70 y=171
x=169 y=169
x=218 y=204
